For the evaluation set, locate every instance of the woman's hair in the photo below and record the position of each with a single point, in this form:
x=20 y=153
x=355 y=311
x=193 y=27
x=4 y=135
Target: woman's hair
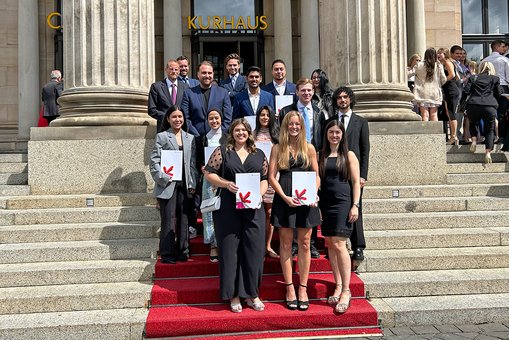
x=324 y=81
x=166 y=125
x=472 y=66
x=250 y=143
x=342 y=164
x=273 y=124
x=446 y=52
x=487 y=67
x=283 y=161
x=430 y=59
x=412 y=59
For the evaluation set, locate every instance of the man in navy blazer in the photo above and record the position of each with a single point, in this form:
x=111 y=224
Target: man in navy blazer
x=200 y=99
x=280 y=85
x=160 y=97
x=247 y=102
x=235 y=82
x=184 y=71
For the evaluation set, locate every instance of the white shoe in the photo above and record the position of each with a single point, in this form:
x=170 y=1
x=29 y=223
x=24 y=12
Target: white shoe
x=192 y=232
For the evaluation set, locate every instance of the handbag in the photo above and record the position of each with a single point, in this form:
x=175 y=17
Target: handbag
x=213 y=203
x=462 y=107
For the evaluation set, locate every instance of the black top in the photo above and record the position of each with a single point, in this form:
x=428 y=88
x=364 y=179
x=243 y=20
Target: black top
x=483 y=89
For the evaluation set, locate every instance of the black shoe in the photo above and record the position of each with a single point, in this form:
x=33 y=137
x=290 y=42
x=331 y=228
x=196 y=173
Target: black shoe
x=169 y=259
x=295 y=249
x=314 y=253
x=358 y=254
x=182 y=258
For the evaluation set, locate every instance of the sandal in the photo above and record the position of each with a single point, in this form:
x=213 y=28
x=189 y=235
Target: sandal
x=333 y=299
x=213 y=254
x=342 y=307
x=303 y=305
x=256 y=305
x=235 y=307
x=272 y=254
x=291 y=304
x=473 y=146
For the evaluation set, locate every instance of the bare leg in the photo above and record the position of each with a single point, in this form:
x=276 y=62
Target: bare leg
x=433 y=114
x=269 y=231
x=333 y=259
x=285 y=251
x=304 y=260
x=424 y=113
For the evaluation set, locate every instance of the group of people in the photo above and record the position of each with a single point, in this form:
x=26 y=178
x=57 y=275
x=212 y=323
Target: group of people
x=444 y=78
x=318 y=133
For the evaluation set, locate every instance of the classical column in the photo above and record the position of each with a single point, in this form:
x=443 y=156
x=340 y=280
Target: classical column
x=364 y=47
x=309 y=37
x=416 y=30
x=172 y=23
x=283 y=34
x=29 y=92
x=108 y=62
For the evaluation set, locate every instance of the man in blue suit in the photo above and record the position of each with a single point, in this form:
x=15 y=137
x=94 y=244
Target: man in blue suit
x=200 y=99
x=280 y=85
x=235 y=82
x=247 y=102
x=184 y=71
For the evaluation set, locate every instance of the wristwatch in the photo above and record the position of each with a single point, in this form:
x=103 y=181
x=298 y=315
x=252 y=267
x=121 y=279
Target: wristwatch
x=357 y=205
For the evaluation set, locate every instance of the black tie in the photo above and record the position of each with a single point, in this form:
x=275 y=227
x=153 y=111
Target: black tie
x=343 y=120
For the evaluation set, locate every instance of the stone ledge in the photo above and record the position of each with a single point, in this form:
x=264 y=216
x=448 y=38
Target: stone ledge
x=406 y=128
x=92 y=133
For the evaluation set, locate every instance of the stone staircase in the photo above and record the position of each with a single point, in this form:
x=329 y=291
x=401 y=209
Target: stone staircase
x=439 y=254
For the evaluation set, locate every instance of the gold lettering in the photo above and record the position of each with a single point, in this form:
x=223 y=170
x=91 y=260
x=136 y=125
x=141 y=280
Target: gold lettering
x=263 y=22
x=226 y=22
x=217 y=22
x=190 y=23
x=240 y=21
x=48 y=20
x=200 y=23
x=249 y=23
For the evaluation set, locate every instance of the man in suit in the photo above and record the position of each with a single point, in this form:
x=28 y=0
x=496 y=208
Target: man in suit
x=183 y=62
x=165 y=93
x=357 y=132
x=50 y=93
x=200 y=99
x=279 y=84
x=235 y=82
x=313 y=123
x=247 y=102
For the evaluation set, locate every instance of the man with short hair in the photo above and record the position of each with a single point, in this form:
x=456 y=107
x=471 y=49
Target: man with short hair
x=165 y=93
x=279 y=84
x=247 y=102
x=458 y=54
x=234 y=82
x=183 y=62
x=50 y=94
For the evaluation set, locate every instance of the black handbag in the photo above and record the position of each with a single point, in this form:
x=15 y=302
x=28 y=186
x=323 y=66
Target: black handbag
x=462 y=107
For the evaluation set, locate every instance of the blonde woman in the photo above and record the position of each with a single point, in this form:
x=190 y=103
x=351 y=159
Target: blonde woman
x=414 y=59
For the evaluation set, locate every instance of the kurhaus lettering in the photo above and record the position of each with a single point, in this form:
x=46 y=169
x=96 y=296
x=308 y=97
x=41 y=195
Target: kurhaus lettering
x=48 y=20
x=223 y=23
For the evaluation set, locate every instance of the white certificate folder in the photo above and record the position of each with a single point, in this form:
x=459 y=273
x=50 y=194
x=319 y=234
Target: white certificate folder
x=248 y=196
x=171 y=163
x=304 y=187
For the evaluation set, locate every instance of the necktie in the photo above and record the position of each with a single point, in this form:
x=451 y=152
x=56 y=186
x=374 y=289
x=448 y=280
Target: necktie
x=173 y=94
x=307 y=126
x=343 y=119
x=234 y=78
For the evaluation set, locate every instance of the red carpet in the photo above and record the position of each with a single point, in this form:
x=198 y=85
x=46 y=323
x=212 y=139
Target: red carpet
x=185 y=303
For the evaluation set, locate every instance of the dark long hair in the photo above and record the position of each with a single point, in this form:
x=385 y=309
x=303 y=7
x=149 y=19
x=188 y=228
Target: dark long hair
x=166 y=125
x=325 y=89
x=430 y=60
x=273 y=124
x=342 y=164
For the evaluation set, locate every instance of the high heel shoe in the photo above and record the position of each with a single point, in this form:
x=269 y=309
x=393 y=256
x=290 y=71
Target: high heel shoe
x=342 y=307
x=303 y=305
x=453 y=141
x=291 y=304
x=333 y=299
x=473 y=146
x=487 y=158
x=256 y=305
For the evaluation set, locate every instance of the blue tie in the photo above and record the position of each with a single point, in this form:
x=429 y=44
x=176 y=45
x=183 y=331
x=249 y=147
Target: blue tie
x=306 y=123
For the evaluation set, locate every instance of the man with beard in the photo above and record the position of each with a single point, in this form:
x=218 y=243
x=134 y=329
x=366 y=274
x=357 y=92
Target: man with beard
x=279 y=84
x=247 y=102
x=183 y=62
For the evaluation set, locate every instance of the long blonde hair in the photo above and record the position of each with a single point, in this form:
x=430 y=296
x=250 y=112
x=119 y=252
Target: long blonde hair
x=283 y=161
x=487 y=67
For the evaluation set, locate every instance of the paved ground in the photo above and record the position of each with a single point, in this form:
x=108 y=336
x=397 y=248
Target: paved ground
x=488 y=331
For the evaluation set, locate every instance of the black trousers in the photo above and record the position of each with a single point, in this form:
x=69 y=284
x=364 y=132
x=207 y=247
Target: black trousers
x=488 y=114
x=174 y=235
x=357 y=238
x=503 y=106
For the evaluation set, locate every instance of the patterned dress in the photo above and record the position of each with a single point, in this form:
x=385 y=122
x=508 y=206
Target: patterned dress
x=208 y=190
x=263 y=135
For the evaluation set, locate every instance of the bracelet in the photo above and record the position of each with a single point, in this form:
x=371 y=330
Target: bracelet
x=357 y=205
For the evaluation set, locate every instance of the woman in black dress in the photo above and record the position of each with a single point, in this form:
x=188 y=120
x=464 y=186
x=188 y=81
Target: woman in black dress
x=293 y=153
x=339 y=202
x=240 y=233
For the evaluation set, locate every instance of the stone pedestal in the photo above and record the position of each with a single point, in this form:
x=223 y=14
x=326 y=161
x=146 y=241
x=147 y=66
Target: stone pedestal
x=108 y=61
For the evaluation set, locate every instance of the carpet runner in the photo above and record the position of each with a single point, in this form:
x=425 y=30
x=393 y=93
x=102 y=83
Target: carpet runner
x=185 y=303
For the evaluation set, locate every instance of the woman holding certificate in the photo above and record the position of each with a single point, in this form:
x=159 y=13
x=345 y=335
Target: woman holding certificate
x=339 y=202
x=294 y=207
x=240 y=170
x=173 y=168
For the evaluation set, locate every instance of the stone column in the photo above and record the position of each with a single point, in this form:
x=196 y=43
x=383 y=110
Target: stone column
x=364 y=47
x=172 y=20
x=283 y=34
x=29 y=92
x=416 y=30
x=108 y=62
x=309 y=37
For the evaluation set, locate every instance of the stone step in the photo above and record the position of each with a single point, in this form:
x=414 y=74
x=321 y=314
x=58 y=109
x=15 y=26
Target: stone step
x=78 y=201
x=436 y=282
x=434 y=204
x=465 y=168
x=436 y=220
x=14 y=190
x=14 y=178
x=65 y=298
x=75 y=272
x=435 y=259
x=445 y=190
x=478 y=178
x=455 y=149
x=112 y=324
x=437 y=238
x=79 y=215
x=443 y=310
x=13 y=157
x=13 y=146
x=78 y=250
x=13 y=167
x=478 y=157
x=78 y=232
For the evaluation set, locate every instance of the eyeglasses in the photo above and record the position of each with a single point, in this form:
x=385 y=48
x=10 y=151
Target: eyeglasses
x=316 y=78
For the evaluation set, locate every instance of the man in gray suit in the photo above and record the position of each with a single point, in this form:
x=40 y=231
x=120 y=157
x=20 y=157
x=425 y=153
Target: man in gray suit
x=165 y=93
x=50 y=93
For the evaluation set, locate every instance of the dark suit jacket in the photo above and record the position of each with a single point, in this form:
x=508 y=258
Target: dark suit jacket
x=50 y=93
x=242 y=105
x=358 y=140
x=191 y=82
x=196 y=112
x=483 y=89
x=318 y=123
x=159 y=99
x=289 y=89
x=240 y=85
